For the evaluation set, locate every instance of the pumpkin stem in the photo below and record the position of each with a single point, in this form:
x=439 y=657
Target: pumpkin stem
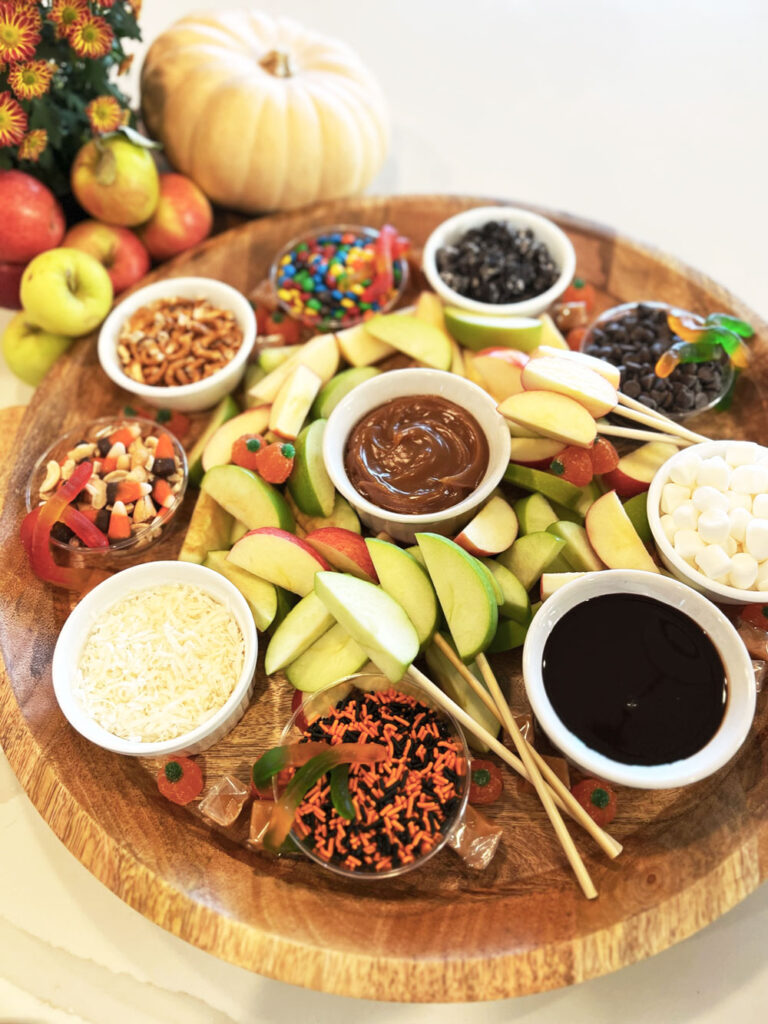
x=277 y=63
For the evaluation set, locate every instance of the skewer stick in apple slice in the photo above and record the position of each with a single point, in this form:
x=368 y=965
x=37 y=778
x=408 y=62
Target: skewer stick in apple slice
x=634 y=410
x=562 y=795
x=608 y=430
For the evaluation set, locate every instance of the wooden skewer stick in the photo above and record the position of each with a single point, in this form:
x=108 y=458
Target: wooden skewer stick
x=629 y=409
x=609 y=430
x=563 y=796
x=544 y=792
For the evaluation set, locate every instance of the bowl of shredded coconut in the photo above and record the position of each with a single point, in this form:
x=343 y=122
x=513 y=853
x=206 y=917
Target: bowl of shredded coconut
x=157 y=660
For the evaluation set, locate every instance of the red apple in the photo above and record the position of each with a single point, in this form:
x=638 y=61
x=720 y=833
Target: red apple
x=118 y=249
x=278 y=557
x=183 y=217
x=492 y=530
x=344 y=550
x=31 y=219
x=635 y=471
x=10 y=280
x=501 y=370
x=613 y=537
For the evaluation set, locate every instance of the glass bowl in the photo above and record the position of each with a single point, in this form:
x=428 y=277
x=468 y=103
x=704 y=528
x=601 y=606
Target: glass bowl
x=616 y=313
x=317 y=704
x=326 y=323
x=146 y=534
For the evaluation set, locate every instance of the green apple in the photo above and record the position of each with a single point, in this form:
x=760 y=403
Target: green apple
x=116 y=180
x=271 y=357
x=302 y=626
x=515 y=604
x=360 y=348
x=577 y=552
x=449 y=679
x=415 y=551
x=210 y=528
x=225 y=410
x=508 y=636
x=636 y=508
x=589 y=494
x=530 y=555
x=479 y=330
x=465 y=593
x=253 y=374
x=260 y=595
x=401 y=576
x=552 y=581
x=309 y=484
x=293 y=401
x=564 y=514
x=413 y=337
x=551 y=336
x=66 y=291
x=534 y=513
x=498 y=595
x=285 y=602
x=339 y=386
x=247 y=497
x=218 y=450
x=30 y=351
x=372 y=618
x=331 y=657
x=552 y=487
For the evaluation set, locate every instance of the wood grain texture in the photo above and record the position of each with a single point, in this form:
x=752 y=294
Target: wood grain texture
x=444 y=933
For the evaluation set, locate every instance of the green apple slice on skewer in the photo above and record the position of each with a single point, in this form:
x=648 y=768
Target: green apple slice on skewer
x=247 y=497
x=531 y=555
x=479 y=330
x=302 y=626
x=309 y=484
x=331 y=657
x=405 y=580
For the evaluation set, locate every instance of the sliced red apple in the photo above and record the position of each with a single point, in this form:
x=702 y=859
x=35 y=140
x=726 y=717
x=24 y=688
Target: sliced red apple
x=552 y=415
x=293 y=402
x=344 y=550
x=635 y=471
x=279 y=557
x=611 y=373
x=491 y=531
x=613 y=537
x=501 y=371
x=534 y=451
x=570 y=378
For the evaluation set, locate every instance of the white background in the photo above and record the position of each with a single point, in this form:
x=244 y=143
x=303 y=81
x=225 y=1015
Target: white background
x=647 y=115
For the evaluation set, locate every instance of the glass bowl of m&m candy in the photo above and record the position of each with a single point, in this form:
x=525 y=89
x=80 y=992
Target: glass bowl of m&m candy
x=335 y=277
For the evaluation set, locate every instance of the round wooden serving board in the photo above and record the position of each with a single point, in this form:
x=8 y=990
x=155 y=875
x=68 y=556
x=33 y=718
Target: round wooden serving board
x=440 y=934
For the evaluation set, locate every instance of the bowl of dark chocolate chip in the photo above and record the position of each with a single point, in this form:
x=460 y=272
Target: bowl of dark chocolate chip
x=499 y=260
x=634 y=337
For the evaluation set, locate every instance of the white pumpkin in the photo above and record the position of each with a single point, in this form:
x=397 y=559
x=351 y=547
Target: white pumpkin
x=262 y=113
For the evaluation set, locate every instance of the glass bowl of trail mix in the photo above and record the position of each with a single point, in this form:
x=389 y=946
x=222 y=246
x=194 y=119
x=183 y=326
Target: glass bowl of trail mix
x=375 y=777
x=136 y=484
x=499 y=261
x=634 y=336
x=182 y=343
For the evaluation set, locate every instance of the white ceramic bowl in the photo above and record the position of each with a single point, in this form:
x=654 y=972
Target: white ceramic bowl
x=142 y=577
x=378 y=390
x=740 y=705
x=451 y=230
x=715 y=591
x=187 y=397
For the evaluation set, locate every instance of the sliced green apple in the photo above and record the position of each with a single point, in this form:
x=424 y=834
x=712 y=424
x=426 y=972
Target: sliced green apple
x=247 y=497
x=293 y=402
x=497 y=592
x=636 y=508
x=550 y=486
x=531 y=555
x=572 y=379
x=464 y=592
x=372 y=618
x=320 y=354
x=280 y=557
x=272 y=356
x=552 y=581
x=450 y=680
x=551 y=415
x=404 y=579
x=551 y=336
x=238 y=530
x=479 y=330
x=305 y=623
x=337 y=387
x=414 y=337
x=209 y=528
x=359 y=348
x=492 y=530
x=309 y=484
x=534 y=513
x=225 y=410
x=260 y=596
x=331 y=657
x=533 y=450
x=515 y=603
x=613 y=536
x=508 y=636
x=578 y=552
x=218 y=451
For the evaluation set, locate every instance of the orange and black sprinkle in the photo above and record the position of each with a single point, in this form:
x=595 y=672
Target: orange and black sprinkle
x=402 y=803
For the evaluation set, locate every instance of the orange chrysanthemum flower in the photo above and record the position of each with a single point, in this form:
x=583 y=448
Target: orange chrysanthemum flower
x=33 y=145
x=19 y=33
x=29 y=81
x=13 y=121
x=91 y=37
x=105 y=114
x=66 y=13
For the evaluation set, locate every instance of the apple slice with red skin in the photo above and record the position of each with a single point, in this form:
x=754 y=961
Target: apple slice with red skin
x=635 y=471
x=279 y=557
x=534 y=451
x=549 y=414
x=611 y=373
x=491 y=531
x=613 y=537
x=570 y=378
x=501 y=371
x=344 y=550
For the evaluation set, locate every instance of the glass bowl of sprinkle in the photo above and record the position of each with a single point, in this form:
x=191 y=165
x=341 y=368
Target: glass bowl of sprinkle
x=379 y=819
x=335 y=277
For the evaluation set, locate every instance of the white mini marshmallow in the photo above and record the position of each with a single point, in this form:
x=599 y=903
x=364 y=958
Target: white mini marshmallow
x=714 y=562
x=673 y=495
x=742 y=454
x=751 y=479
x=760 y=506
x=762 y=576
x=714 y=472
x=731 y=547
x=756 y=539
x=668 y=526
x=739 y=500
x=739 y=519
x=688 y=544
x=743 y=571
x=705 y=498
x=714 y=526
x=686 y=516
x=685 y=471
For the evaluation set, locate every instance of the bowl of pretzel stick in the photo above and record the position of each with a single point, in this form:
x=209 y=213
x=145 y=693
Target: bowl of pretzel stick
x=182 y=343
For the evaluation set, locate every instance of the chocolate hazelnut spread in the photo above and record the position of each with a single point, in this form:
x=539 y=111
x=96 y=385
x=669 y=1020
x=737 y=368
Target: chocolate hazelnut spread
x=416 y=454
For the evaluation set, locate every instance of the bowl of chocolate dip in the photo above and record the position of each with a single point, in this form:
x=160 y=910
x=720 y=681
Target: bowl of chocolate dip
x=416 y=450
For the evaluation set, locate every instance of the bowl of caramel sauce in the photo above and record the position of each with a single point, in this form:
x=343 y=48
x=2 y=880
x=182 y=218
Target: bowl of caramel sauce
x=415 y=450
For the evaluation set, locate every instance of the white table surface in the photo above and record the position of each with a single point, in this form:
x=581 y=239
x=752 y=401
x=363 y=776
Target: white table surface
x=645 y=114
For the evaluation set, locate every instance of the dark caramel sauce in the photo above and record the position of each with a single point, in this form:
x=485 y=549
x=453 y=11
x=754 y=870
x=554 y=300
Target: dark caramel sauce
x=635 y=679
x=416 y=454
